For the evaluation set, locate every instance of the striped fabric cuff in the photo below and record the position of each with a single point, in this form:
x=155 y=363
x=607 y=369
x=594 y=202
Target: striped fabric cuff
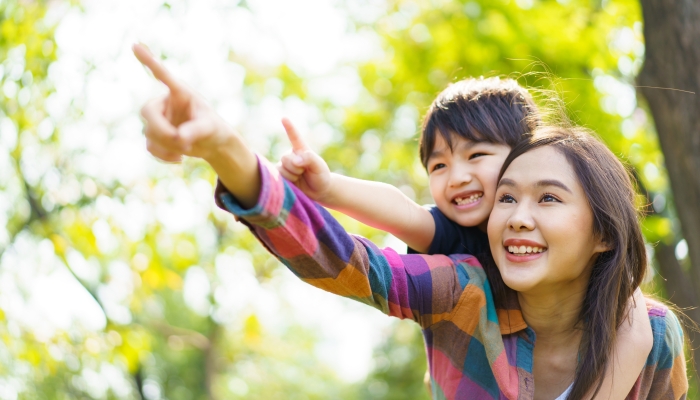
x=227 y=202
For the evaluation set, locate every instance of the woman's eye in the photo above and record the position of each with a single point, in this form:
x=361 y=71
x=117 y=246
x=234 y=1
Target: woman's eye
x=475 y=155
x=549 y=198
x=506 y=198
x=437 y=166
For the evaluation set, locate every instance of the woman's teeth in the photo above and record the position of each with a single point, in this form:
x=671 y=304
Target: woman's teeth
x=468 y=200
x=525 y=249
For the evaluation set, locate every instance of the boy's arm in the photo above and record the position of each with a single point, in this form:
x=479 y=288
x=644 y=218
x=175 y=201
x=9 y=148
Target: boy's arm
x=376 y=204
x=384 y=207
x=630 y=351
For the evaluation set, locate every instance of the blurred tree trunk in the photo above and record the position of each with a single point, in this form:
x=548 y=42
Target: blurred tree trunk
x=672 y=34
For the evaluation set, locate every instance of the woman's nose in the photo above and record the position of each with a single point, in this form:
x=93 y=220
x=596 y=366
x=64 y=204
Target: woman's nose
x=521 y=219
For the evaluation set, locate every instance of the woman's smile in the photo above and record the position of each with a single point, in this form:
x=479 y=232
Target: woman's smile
x=523 y=250
x=542 y=220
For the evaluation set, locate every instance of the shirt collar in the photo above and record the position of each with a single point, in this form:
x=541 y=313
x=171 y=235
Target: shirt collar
x=510 y=321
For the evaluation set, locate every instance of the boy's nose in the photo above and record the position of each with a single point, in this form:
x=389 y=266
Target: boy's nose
x=459 y=178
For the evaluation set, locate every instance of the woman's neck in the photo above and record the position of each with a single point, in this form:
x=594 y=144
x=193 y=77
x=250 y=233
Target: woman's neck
x=553 y=314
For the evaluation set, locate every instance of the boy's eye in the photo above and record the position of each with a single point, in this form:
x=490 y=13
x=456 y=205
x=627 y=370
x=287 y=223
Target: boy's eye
x=549 y=198
x=506 y=198
x=475 y=155
x=437 y=166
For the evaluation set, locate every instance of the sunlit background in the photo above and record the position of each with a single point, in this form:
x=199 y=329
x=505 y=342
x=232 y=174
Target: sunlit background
x=119 y=278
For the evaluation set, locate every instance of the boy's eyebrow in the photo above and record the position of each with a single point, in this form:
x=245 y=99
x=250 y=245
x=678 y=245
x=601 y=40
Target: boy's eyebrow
x=542 y=183
x=466 y=145
x=461 y=146
x=436 y=153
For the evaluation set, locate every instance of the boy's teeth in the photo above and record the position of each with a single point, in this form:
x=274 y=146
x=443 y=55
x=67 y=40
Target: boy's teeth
x=524 y=249
x=467 y=200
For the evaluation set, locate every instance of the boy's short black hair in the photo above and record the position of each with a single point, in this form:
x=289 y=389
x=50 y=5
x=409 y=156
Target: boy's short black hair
x=482 y=110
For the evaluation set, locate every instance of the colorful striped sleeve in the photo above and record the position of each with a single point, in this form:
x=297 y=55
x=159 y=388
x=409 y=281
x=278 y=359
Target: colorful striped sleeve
x=664 y=376
x=316 y=248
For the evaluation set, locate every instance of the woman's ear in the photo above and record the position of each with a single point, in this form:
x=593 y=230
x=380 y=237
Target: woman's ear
x=602 y=246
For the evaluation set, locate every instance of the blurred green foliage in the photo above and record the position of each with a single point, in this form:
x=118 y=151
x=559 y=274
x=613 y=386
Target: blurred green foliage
x=156 y=346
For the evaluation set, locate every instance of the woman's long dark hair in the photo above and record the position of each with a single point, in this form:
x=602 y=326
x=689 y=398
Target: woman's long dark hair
x=616 y=273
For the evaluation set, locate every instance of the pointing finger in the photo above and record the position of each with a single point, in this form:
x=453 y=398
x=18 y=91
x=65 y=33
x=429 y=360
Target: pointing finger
x=159 y=71
x=298 y=144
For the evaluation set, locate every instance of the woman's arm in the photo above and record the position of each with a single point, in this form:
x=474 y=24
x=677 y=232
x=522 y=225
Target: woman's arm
x=182 y=123
x=300 y=233
x=630 y=352
x=316 y=248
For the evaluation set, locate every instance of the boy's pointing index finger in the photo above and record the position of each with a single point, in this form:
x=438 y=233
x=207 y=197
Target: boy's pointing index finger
x=159 y=71
x=298 y=144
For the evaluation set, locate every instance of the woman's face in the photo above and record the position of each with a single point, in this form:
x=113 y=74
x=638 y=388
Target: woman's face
x=541 y=226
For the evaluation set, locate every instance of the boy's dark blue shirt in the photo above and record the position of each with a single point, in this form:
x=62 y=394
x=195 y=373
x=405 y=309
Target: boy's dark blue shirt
x=453 y=238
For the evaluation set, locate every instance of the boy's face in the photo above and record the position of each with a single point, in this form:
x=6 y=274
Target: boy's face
x=463 y=179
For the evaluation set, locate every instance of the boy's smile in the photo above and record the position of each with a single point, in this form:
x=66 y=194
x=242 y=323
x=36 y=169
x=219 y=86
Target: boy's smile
x=467 y=199
x=463 y=178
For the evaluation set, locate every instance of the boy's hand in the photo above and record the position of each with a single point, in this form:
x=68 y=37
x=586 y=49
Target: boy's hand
x=303 y=167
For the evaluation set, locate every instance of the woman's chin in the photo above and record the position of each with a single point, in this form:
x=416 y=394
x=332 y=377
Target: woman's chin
x=519 y=282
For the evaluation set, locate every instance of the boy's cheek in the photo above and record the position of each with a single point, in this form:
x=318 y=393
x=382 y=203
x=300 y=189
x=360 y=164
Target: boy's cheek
x=437 y=189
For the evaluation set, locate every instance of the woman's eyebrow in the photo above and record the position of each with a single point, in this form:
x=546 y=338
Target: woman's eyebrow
x=542 y=183
x=506 y=182
x=552 y=182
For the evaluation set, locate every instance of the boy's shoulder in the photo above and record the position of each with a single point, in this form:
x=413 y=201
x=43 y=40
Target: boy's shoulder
x=453 y=238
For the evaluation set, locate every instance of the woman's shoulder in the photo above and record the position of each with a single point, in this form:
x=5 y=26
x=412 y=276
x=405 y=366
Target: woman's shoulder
x=666 y=328
x=663 y=318
x=665 y=371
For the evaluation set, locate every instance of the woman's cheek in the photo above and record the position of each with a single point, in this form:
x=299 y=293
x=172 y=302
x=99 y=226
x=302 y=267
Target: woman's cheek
x=494 y=229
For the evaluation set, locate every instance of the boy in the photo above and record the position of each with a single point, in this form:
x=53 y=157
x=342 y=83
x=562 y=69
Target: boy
x=467 y=134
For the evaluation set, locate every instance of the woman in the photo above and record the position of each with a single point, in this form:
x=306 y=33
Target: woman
x=569 y=254
x=564 y=194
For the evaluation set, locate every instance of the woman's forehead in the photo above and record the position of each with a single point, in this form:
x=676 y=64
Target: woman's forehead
x=541 y=163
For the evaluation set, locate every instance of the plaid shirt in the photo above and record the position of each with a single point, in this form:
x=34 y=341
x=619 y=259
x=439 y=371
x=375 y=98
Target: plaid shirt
x=475 y=351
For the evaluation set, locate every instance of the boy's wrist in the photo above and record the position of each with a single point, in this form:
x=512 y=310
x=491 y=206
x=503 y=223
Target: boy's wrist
x=328 y=198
